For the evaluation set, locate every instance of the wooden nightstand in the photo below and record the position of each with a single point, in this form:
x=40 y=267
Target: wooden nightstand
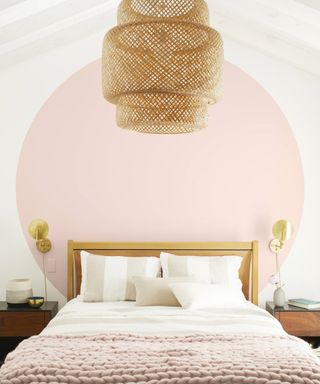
x=304 y=323
x=18 y=323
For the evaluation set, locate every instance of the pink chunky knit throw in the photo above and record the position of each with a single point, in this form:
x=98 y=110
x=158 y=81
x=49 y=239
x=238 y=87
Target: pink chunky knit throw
x=121 y=358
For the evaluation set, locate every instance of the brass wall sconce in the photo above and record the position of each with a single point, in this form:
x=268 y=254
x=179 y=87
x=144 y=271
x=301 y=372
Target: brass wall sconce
x=39 y=229
x=282 y=230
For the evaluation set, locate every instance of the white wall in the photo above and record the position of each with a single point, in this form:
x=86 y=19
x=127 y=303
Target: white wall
x=298 y=95
x=25 y=87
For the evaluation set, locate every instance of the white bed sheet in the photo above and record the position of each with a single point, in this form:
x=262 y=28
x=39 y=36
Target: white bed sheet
x=77 y=317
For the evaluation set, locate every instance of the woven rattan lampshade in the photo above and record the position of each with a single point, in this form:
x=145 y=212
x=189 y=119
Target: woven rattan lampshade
x=162 y=65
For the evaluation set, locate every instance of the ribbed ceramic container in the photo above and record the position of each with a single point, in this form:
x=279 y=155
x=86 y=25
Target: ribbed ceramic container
x=18 y=291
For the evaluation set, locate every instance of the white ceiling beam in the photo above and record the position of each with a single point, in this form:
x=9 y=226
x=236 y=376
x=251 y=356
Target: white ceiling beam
x=307 y=60
x=311 y=3
x=286 y=29
x=26 y=9
x=59 y=26
x=264 y=25
x=294 y=9
x=268 y=17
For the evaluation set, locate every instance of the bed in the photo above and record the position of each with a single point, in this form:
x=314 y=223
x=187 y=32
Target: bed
x=119 y=342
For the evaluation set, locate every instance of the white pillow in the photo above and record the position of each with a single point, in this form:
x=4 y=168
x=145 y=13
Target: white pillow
x=197 y=295
x=210 y=269
x=156 y=291
x=109 y=278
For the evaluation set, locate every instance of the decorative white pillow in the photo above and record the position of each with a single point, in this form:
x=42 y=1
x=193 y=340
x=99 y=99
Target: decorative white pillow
x=197 y=295
x=155 y=291
x=210 y=269
x=109 y=278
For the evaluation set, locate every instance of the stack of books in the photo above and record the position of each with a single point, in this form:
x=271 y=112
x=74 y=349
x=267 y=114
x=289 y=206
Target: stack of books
x=304 y=303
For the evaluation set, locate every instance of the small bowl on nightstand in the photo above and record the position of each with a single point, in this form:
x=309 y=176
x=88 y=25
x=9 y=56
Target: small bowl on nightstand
x=35 y=301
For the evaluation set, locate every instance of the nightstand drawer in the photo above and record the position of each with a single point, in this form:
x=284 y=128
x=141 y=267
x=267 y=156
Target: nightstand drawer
x=301 y=323
x=21 y=323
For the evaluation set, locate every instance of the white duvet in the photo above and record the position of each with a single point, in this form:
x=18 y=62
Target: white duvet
x=77 y=317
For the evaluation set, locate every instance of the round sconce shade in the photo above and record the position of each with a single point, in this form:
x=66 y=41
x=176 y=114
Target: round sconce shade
x=38 y=229
x=282 y=230
x=162 y=65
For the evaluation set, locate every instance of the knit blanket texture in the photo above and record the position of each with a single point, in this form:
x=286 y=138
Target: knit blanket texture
x=191 y=359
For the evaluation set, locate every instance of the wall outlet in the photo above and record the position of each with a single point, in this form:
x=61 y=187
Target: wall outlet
x=51 y=265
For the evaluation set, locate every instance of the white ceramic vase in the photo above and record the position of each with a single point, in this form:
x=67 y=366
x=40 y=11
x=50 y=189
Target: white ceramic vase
x=279 y=297
x=18 y=291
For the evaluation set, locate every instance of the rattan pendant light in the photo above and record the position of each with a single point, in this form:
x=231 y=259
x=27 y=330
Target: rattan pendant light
x=162 y=65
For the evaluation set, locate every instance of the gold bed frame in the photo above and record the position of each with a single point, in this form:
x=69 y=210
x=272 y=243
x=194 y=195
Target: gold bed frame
x=248 y=250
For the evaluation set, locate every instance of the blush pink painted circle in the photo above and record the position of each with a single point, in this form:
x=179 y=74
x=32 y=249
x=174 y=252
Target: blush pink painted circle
x=93 y=181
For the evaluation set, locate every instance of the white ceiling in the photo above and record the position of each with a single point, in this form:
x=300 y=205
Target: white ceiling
x=8 y=3
x=311 y=3
x=286 y=29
